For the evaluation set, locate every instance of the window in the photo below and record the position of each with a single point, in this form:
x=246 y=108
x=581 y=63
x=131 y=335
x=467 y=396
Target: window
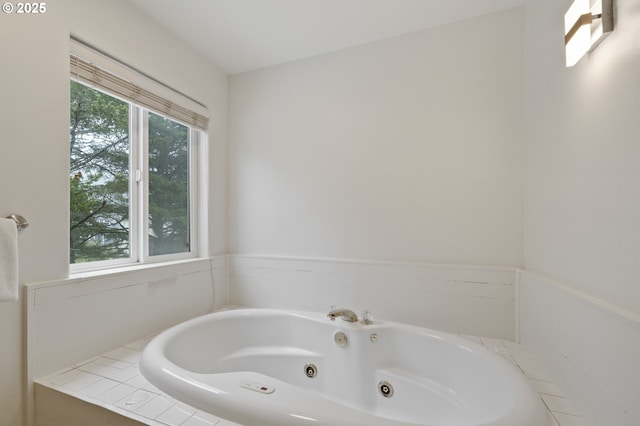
x=99 y=184
x=168 y=156
x=133 y=181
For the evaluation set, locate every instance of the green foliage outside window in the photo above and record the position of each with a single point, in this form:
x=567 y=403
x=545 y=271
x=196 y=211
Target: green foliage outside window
x=168 y=186
x=99 y=182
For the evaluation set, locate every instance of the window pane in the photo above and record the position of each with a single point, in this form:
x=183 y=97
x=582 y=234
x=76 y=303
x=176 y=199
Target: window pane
x=99 y=181
x=168 y=186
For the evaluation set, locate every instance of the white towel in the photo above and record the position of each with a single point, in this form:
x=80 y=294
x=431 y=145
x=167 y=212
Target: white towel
x=8 y=260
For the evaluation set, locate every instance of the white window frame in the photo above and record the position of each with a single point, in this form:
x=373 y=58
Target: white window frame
x=139 y=171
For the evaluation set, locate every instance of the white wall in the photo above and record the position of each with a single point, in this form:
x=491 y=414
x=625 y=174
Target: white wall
x=582 y=152
x=407 y=149
x=34 y=97
x=582 y=226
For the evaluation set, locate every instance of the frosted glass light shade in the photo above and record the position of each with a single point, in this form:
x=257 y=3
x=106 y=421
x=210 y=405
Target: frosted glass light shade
x=602 y=27
x=586 y=23
x=577 y=31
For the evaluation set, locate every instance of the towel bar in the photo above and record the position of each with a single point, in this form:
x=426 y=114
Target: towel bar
x=20 y=221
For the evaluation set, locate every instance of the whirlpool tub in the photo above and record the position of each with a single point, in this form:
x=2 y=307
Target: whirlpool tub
x=274 y=367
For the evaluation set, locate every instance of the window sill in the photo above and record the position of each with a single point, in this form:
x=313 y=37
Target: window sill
x=192 y=264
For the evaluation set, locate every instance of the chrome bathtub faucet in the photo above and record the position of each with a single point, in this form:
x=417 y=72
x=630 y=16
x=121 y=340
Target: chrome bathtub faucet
x=346 y=315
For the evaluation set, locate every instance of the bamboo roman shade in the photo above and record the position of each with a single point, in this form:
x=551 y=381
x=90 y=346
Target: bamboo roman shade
x=101 y=72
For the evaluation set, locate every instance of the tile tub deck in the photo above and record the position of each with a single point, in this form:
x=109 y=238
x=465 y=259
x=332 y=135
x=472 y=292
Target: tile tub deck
x=113 y=382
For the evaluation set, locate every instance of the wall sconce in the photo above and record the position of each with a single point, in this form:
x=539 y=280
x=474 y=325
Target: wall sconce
x=586 y=24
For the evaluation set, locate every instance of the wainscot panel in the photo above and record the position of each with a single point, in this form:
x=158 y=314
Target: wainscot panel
x=80 y=317
x=589 y=347
x=470 y=300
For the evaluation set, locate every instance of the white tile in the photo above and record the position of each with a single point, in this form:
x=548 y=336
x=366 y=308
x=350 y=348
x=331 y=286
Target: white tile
x=206 y=416
x=536 y=373
x=100 y=360
x=552 y=420
x=136 y=399
x=121 y=365
x=569 y=420
x=154 y=407
x=559 y=404
x=138 y=345
x=473 y=339
x=494 y=345
x=117 y=374
x=529 y=364
x=186 y=408
x=176 y=415
x=138 y=381
x=544 y=387
x=99 y=387
x=65 y=377
x=224 y=422
x=86 y=361
x=82 y=381
x=150 y=337
x=194 y=421
x=490 y=341
x=112 y=395
x=149 y=387
x=141 y=383
x=124 y=354
x=521 y=354
x=507 y=357
x=511 y=346
x=202 y=419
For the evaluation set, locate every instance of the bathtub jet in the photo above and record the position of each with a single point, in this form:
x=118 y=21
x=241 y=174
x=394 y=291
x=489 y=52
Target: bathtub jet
x=253 y=367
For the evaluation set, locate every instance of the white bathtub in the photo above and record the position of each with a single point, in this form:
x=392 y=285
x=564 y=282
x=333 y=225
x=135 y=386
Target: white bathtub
x=250 y=366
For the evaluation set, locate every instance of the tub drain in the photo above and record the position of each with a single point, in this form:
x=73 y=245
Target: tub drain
x=385 y=389
x=310 y=370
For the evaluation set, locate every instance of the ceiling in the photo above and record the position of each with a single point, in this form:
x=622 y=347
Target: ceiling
x=242 y=35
